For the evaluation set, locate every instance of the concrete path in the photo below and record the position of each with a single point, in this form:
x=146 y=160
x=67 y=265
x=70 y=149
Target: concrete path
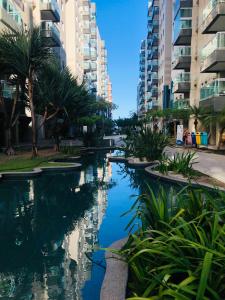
x=208 y=163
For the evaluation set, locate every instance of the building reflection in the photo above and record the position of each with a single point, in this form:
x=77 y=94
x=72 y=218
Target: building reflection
x=48 y=230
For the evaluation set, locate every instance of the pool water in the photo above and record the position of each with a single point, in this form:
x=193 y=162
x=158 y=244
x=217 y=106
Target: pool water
x=51 y=229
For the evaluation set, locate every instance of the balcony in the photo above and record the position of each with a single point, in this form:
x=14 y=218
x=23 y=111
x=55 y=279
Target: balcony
x=153 y=66
x=153 y=79
x=9 y=17
x=50 y=34
x=182 y=83
x=183 y=34
x=154 y=92
x=213 y=95
x=178 y=4
x=213 y=55
x=182 y=58
x=182 y=28
x=214 y=17
x=49 y=10
x=181 y=103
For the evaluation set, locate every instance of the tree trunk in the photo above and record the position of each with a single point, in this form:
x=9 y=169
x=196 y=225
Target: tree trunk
x=9 y=149
x=196 y=125
x=220 y=138
x=56 y=146
x=33 y=116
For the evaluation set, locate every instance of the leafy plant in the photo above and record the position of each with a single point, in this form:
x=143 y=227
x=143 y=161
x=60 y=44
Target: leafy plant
x=181 y=163
x=179 y=252
x=146 y=144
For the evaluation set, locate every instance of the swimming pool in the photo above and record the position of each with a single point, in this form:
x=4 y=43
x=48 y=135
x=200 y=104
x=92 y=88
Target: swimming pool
x=52 y=226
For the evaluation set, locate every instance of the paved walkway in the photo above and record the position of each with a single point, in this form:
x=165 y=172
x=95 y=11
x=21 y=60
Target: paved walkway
x=208 y=163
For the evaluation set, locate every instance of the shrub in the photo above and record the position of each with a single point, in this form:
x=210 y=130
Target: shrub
x=146 y=144
x=179 y=253
x=179 y=163
x=70 y=150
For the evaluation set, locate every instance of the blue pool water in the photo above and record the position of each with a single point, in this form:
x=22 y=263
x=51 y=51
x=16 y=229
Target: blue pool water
x=51 y=229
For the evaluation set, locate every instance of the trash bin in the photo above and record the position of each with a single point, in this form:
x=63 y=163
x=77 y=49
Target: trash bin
x=204 y=138
x=189 y=139
x=198 y=138
x=193 y=136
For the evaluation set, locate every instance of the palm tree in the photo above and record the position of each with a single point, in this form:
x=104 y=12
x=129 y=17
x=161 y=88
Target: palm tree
x=26 y=53
x=58 y=98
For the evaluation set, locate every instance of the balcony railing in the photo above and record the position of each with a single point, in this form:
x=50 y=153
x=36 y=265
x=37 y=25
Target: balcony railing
x=182 y=83
x=182 y=77
x=218 y=42
x=213 y=54
x=181 y=103
x=215 y=88
x=182 y=58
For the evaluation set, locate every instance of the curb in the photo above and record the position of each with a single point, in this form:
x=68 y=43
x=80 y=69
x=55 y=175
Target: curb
x=114 y=285
x=179 y=179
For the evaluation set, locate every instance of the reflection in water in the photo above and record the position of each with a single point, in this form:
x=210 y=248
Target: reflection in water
x=48 y=227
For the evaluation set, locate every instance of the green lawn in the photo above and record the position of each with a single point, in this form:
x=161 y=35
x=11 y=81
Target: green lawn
x=19 y=164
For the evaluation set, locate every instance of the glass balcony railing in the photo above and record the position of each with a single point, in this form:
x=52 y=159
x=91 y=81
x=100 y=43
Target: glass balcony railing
x=210 y=6
x=11 y=10
x=182 y=51
x=182 y=77
x=181 y=103
x=154 y=75
x=218 y=42
x=215 y=88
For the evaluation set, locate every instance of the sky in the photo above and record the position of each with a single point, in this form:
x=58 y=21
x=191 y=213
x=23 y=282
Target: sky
x=123 y=24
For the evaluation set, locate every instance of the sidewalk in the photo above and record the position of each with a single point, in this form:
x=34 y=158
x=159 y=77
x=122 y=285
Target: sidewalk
x=208 y=163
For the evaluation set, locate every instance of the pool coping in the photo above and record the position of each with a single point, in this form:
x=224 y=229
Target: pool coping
x=38 y=171
x=177 y=178
x=114 y=286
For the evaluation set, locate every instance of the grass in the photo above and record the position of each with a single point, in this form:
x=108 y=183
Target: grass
x=24 y=164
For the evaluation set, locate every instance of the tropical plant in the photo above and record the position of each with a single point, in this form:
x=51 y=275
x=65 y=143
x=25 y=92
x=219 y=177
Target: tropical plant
x=10 y=104
x=146 y=144
x=179 y=252
x=181 y=163
x=26 y=53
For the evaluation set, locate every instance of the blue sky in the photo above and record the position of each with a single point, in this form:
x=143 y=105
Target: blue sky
x=123 y=25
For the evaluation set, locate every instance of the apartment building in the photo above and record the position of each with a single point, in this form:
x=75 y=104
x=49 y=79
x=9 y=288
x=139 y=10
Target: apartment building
x=198 y=57
x=164 y=53
x=142 y=99
x=182 y=52
x=70 y=29
x=155 y=58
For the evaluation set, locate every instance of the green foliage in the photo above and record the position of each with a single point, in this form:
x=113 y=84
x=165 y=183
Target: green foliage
x=179 y=253
x=70 y=150
x=181 y=163
x=92 y=139
x=146 y=144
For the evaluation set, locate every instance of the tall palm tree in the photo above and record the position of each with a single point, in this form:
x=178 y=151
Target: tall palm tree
x=26 y=53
